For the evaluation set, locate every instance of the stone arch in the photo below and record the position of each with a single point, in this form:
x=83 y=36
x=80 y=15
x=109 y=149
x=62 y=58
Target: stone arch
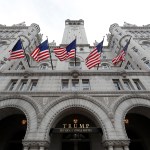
x=57 y=109
x=24 y=106
x=75 y=96
x=122 y=107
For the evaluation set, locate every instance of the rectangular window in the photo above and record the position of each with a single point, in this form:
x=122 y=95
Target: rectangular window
x=33 y=85
x=75 y=84
x=23 y=85
x=127 y=84
x=12 y=85
x=85 y=84
x=129 y=66
x=138 y=84
x=117 y=84
x=65 y=84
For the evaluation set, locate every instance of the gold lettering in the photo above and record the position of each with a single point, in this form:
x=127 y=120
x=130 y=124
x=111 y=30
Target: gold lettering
x=64 y=125
x=75 y=125
x=87 y=125
x=81 y=125
x=69 y=126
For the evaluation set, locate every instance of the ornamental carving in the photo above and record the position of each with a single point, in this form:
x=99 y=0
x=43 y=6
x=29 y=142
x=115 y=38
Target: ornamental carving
x=116 y=143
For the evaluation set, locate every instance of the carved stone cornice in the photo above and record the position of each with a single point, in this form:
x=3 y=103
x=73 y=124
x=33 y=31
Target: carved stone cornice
x=90 y=93
x=111 y=72
x=27 y=143
x=116 y=143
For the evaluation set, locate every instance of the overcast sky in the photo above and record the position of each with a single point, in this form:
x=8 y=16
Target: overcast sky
x=98 y=15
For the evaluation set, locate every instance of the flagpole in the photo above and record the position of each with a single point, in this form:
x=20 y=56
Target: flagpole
x=50 y=55
x=25 y=52
x=75 y=52
x=98 y=64
x=127 y=42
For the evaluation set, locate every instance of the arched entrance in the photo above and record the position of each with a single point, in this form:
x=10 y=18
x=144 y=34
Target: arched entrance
x=76 y=131
x=13 y=125
x=137 y=124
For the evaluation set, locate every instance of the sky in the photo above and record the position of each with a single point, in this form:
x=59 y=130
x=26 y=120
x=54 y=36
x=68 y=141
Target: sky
x=98 y=15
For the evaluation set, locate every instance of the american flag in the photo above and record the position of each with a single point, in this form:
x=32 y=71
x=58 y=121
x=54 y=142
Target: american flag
x=66 y=53
x=17 y=51
x=41 y=52
x=121 y=56
x=93 y=58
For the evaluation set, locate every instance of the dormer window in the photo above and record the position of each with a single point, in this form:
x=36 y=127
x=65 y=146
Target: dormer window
x=105 y=66
x=72 y=62
x=43 y=66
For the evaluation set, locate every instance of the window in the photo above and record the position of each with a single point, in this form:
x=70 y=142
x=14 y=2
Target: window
x=23 y=85
x=117 y=84
x=72 y=62
x=105 y=66
x=138 y=84
x=33 y=85
x=127 y=84
x=20 y=66
x=44 y=66
x=129 y=66
x=75 y=84
x=12 y=85
x=65 y=84
x=85 y=84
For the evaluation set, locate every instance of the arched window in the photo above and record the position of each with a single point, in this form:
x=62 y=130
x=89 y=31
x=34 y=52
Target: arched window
x=43 y=66
x=72 y=62
x=105 y=66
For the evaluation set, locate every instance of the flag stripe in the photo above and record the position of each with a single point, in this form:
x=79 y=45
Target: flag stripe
x=41 y=52
x=66 y=53
x=17 y=51
x=94 y=58
x=121 y=56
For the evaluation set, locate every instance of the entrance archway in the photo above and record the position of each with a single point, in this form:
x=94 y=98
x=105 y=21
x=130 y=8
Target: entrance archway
x=137 y=124
x=76 y=132
x=13 y=127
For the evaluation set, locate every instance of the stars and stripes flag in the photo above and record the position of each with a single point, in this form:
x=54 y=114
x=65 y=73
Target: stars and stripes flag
x=93 y=58
x=121 y=56
x=67 y=52
x=41 y=52
x=17 y=51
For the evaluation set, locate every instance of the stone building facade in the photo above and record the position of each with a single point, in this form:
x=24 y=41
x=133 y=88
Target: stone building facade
x=71 y=107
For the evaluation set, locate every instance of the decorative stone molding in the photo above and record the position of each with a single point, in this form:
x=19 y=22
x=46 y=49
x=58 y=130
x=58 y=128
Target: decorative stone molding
x=53 y=113
x=22 y=97
x=26 y=108
x=76 y=95
x=116 y=143
x=123 y=107
x=114 y=72
x=127 y=97
x=33 y=143
x=75 y=73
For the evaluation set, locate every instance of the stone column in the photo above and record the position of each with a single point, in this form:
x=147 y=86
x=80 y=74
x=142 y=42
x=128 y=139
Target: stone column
x=25 y=148
x=110 y=147
x=116 y=144
x=126 y=147
x=41 y=148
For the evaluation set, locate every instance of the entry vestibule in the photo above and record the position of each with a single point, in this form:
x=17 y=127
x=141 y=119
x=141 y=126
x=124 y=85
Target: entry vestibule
x=76 y=132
